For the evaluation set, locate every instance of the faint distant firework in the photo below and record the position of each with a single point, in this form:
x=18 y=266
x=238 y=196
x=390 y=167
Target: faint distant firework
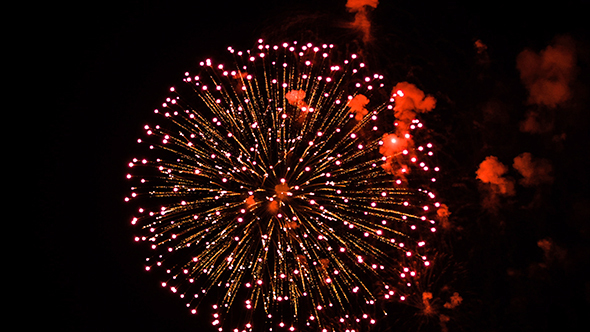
x=275 y=197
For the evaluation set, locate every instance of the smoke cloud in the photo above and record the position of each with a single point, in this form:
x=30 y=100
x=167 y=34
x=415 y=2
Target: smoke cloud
x=357 y=106
x=443 y=215
x=392 y=148
x=454 y=301
x=537 y=122
x=392 y=144
x=361 y=21
x=409 y=100
x=493 y=183
x=492 y=171
x=547 y=75
x=535 y=171
x=295 y=98
x=482 y=52
x=553 y=254
x=480 y=47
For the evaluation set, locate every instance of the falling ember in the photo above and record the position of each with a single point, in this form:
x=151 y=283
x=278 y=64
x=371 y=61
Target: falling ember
x=270 y=192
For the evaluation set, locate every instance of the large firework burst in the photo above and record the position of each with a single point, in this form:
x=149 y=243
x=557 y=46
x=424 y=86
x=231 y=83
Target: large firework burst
x=273 y=194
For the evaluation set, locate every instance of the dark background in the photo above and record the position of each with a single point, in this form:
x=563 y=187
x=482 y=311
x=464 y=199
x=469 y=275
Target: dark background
x=100 y=68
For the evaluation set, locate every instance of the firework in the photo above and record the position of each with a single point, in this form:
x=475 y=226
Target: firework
x=274 y=199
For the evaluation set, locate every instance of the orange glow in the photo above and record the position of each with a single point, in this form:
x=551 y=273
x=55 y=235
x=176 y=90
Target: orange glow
x=295 y=98
x=361 y=20
x=392 y=144
x=282 y=190
x=491 y=171
x=535 y=171
x=250 y=201
x=357 y=106
x=547 y=75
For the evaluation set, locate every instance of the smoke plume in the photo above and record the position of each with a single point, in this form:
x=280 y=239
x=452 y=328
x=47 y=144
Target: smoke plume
x=361 y=21
x=443 y=215
x=357 y=106
x=547 y=75
x=295 y=98
x=491 y=171
x=409 y=100
x=535 y=171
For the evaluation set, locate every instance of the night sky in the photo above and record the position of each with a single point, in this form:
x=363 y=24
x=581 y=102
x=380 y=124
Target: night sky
x=520 y=260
